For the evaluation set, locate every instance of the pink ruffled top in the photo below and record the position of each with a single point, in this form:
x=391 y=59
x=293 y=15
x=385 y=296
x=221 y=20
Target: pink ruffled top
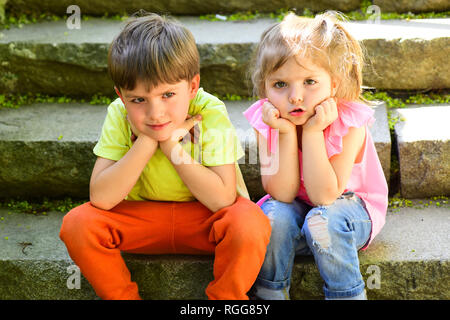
x=367 y=178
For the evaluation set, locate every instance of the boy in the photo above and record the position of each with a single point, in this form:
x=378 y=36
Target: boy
x=174 y=203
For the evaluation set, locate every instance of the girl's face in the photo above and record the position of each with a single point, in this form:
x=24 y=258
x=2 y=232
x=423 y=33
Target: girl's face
x=297 y=87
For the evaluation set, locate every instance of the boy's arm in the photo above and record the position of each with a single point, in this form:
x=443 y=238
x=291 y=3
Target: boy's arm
x=214 y=187
x=111 y=181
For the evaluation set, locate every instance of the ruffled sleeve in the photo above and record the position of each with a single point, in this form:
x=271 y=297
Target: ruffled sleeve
x=350 y=114
x=254 y=117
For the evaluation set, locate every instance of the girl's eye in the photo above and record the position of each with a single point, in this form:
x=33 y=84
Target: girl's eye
x=310 y=81
x=168 y=94
x=138 y=100
x=280 y=84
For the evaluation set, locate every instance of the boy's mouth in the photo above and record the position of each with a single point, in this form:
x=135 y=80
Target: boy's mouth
x=297 y=112
x=158 y=127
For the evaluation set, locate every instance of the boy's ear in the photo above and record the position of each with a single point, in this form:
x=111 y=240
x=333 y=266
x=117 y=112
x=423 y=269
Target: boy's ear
x=118 y=93
x=194 y=85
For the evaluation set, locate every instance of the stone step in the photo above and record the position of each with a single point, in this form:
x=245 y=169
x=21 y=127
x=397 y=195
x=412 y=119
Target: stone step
x=193 y=7
x=409 y=259
x=416 y=6
x=423 y=142
x=49 y=58
x=47 y=148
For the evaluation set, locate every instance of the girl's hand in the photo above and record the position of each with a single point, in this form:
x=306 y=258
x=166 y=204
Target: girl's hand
x=271 y=117
x=326 y=114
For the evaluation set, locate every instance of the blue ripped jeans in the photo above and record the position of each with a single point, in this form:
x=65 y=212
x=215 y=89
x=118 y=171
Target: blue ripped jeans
x=333 y=234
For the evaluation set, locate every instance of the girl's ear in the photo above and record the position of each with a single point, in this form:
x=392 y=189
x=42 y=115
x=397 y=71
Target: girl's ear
x=334 y=87
x=194 y=85
x=118 y=93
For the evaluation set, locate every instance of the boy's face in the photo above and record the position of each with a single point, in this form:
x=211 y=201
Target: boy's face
x=158 y=112
x=297 y=87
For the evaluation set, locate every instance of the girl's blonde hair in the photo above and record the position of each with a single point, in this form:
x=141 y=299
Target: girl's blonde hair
x=323 y=40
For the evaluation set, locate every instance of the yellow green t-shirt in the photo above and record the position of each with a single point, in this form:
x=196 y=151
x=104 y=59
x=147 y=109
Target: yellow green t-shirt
x=217 y=145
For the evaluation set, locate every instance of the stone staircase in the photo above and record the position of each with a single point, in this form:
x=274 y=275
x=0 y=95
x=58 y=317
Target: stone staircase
x=46 y=149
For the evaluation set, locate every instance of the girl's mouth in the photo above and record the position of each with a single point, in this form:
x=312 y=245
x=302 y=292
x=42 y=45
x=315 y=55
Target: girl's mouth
x=158 y=127
x=297 y=112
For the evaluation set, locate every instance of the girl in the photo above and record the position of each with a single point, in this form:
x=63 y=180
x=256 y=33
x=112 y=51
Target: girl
x=327 y=194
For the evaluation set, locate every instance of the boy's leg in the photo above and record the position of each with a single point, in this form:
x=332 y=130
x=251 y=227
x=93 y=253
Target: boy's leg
x=94 y=239
x=238 y=236
x=335 y=233
x=286 y=219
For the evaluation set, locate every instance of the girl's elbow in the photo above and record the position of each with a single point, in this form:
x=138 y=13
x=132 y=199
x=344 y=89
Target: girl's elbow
x=324 y=199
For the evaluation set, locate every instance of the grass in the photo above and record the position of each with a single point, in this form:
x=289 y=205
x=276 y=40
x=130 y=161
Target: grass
x=396 y=203
x=41 y=207
x=14 y=101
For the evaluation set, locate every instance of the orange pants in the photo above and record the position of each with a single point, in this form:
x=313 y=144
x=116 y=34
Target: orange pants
x=238 y=236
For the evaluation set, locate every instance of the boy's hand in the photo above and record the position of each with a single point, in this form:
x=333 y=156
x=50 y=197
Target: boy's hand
x=326 y=114
x=134 y=132
x=271 y=117
x=178 y=135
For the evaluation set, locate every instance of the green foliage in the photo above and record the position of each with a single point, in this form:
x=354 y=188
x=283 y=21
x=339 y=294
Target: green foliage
x=396 y=203
x=14 y=101
x=46 y=205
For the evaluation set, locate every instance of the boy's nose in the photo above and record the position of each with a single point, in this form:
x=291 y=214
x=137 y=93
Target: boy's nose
x=155 y=112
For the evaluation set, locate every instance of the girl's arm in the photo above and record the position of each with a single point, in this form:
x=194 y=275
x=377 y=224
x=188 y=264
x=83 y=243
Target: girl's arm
x=282 y=180
x=325 y=179
x=111 y=181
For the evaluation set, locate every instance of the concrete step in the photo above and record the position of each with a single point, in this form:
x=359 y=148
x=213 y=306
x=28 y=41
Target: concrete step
x=193 y=7
x=423 y=142
x=49 y=58
x=409 y=259
x=47 y=148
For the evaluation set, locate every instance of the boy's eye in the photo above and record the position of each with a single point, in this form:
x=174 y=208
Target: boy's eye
x=138 y=100
x=168 y=94
x=310 y=81
x=280 y=84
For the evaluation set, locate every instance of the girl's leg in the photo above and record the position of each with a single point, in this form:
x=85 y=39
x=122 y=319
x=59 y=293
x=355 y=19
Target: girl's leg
x=334 y=234
x=286 y=219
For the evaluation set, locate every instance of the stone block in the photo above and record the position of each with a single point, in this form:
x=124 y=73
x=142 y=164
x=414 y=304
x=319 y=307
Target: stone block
x=424 y=151
x=417 y=6
x=176 y=7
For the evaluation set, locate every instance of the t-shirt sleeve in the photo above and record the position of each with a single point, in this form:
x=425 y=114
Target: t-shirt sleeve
x=220 y=143
x=114 y=141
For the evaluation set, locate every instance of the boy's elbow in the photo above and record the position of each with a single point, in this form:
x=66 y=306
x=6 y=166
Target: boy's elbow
x=227 y=200
x=101 y=204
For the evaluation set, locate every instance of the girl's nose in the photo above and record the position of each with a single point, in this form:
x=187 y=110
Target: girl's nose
x=295 y=99
x=296 y=95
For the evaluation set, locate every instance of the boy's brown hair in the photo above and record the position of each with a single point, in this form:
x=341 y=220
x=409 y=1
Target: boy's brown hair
x=153 y=49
